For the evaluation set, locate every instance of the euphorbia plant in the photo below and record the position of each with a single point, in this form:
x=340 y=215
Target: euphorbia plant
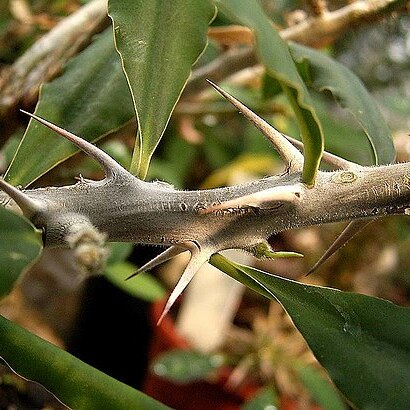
x=341 y=328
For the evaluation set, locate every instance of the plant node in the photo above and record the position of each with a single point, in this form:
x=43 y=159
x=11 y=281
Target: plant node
x=89 y=248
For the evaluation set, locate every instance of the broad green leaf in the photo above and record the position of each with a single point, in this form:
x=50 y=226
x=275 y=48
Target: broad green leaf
x=346 y=140
x=143 y=286
x=20 y=246
x=158 y=42
x=274 y=54
x=90 y=100
x=325 y=74
x=74 y=382
x=320 y=389
x=270 y=87
x=185 y=366
x=265 y=399
x=362 y=342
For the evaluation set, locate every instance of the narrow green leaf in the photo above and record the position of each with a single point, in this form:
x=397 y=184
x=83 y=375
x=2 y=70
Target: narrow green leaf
x=158 y=42
x=119 y=251
x=144 y=286
x=325 y=74
x=90 y=99
x=74 y=382
x=20 y=246
x=275 y=56
x=320 y=389
x=265 y=399
x=185 y=366
x=362 y=342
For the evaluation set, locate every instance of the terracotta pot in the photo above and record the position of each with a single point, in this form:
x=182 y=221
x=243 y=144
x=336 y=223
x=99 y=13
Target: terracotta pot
x=201 y=395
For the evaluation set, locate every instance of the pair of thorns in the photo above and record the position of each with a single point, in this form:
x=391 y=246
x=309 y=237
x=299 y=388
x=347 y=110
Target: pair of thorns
x=289 y=150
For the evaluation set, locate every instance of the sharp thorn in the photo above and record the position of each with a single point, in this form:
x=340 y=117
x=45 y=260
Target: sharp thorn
x=161 y=258
x=198 y=258
x=110 y=166
x=286 y=150
x=28 y=206
x=351 y=230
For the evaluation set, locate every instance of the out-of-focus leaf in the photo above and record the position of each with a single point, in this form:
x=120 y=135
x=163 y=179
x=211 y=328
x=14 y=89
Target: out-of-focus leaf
x=20 y=246
x=74 y=382
x=346 y=140
x=320 y=389
x=90 y=99
x=5 y=17
x=325 y=74
x=274 y=54
x=171 y=166
x=185 y=366
x=114 y=147
x=270 y=87
x=119 y=151
x=9 y=148
x=362 y=342
x=119 y=251
x=266 y=399
x=246 y=164
x=143 y=286
x=158 y=41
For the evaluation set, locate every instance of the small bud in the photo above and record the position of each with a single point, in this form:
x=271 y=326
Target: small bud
x=264 y=251
x=89 y=248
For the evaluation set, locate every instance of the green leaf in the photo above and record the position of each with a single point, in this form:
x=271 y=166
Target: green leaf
x=74 y=382
x=20 y=246
x=119 y=251
x=320 y=389
x=185 y=366
x=362 y=342
x=275 y=56
x=158 y=41
x=90 y=99
x=346 y=140
x=143 y=286
x=325 y=74
x=171 y=166
x=270 y=87
x=265 y=399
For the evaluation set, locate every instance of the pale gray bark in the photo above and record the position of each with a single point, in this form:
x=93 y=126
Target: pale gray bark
x=135 y=211
x=122 y=208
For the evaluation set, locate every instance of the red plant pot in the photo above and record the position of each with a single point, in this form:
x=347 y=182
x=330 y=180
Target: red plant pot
x=202 y=395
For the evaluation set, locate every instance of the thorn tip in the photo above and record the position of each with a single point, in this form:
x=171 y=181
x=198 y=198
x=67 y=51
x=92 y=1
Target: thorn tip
x=168 y=254
x=290 y=154
x=110 y=166
x=198 y=258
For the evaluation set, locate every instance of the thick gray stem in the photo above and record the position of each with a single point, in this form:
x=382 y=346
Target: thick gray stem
x=142 y=212
x=123 y=208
